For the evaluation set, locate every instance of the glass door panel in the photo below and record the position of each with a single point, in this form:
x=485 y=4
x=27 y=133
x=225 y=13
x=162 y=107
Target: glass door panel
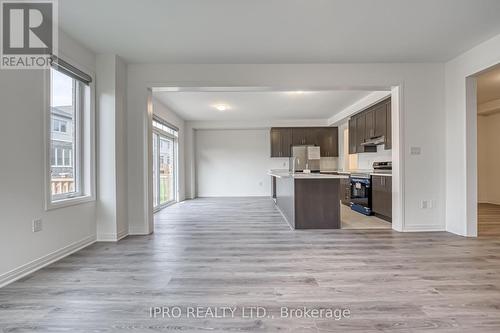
x=155 y=171
x=166 y=170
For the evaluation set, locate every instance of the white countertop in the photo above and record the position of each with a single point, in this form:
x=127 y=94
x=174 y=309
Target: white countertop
x=386 y=173
x=300 y=175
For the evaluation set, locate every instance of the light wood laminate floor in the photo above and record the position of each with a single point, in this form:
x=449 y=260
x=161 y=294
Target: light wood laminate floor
x=354 y=220
x=240 y=252
x=488 y=220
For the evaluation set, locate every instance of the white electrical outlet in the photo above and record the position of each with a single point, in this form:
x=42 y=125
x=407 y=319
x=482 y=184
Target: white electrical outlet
x=37 y=225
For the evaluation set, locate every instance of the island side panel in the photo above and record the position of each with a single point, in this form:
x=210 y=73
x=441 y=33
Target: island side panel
x=317 y=204
x=285 y=198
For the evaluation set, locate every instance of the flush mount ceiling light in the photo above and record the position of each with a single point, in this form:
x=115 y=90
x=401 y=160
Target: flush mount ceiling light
x=221 y=107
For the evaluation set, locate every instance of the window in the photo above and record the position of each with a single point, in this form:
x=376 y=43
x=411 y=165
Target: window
x=59 y=125
x=70 y=135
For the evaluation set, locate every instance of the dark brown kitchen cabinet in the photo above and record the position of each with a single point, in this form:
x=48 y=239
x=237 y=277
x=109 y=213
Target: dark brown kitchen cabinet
x=345 y=191
x=281 y=141
x=283 y=138
x=299 y=136
x=360 y=132
x=388 y=135
x=352 y=136
x=382 y=197
x=305 y=136
x=369 y=124
x=372 y=123
x=360 y=135
x=376 y=121
x=380 y=117
x=328 y=141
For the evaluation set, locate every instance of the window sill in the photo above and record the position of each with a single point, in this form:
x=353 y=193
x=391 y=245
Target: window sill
x=51 y=205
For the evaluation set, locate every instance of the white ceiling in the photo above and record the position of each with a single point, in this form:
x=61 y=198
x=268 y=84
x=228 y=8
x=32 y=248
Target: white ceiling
x=488 y=86
x=281 y=31
x=255 y=106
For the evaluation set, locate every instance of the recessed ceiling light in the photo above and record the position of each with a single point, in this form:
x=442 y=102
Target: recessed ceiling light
x=297 y=92
x=221 y=107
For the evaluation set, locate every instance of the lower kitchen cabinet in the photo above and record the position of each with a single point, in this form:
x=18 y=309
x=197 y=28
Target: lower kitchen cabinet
x=345 y=191
x=382 y=197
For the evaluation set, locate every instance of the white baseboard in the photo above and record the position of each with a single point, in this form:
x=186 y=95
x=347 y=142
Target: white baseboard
x=424 y=228
x=122 y=234
x=138 y=230
x=48 y=259
x=111 y=236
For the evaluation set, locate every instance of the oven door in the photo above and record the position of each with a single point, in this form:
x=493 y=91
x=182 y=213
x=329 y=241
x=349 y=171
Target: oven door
x=361 y=191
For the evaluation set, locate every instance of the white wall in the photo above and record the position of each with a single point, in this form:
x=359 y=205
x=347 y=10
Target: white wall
x=173 y=118
x=234 y=163
x=112 y=221
x=488 y=158
x=422 y=99
x=22 y=176
x=461 y=135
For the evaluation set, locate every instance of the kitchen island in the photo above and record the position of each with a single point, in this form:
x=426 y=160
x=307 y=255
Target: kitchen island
x=308 y=201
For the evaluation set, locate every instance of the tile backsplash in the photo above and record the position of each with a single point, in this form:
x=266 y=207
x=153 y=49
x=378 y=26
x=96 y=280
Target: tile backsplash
x=329 y=163
x=365 y=160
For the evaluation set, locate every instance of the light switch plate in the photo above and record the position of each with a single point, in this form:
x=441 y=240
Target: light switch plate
x=415 y=150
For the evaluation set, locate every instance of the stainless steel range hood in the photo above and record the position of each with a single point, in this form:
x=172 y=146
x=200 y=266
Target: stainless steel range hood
x=374 y=141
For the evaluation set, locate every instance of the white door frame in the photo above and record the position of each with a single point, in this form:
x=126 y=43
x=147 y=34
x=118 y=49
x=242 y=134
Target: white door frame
x=471 y=151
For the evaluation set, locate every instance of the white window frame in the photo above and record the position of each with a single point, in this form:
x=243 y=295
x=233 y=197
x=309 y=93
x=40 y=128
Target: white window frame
x=83 y=159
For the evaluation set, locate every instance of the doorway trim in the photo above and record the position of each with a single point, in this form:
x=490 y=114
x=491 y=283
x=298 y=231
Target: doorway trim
x=471 y=161
x=397 y=96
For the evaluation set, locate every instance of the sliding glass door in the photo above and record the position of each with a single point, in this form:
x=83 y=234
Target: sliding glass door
x=164 y=165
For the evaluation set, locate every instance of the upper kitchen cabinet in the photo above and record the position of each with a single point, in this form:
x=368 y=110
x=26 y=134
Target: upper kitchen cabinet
x=368 y=125
x=329 y=142
x=305 y=136
x=283 y=138
x=360 y=136
x=388 y=135
x=352 y=136
x=299 y=136
x=376 y=121
x=281 y=141
x=380 y=126
x=360 y=132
